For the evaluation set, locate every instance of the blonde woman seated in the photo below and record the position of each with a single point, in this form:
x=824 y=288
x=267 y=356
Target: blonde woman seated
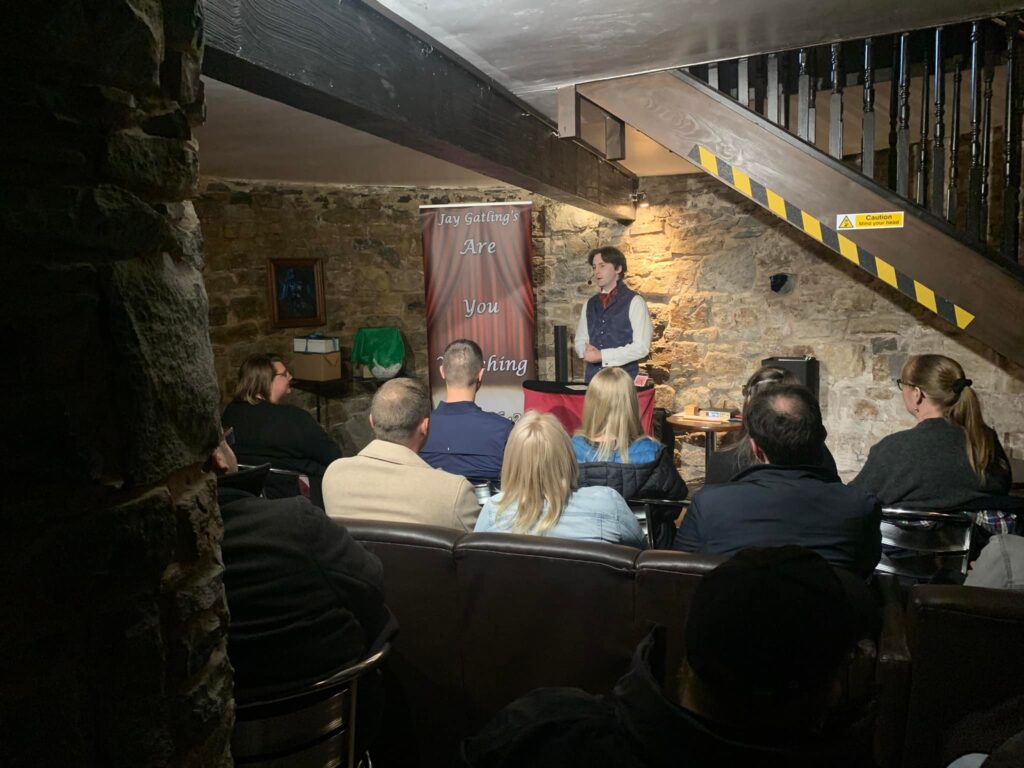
x=612 y=449
x=951 y=458
x=539 y=495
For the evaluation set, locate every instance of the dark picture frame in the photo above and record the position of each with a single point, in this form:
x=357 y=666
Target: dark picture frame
x=296 y=289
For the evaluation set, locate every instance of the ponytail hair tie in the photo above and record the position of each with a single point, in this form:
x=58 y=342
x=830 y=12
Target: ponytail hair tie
x=959 y=384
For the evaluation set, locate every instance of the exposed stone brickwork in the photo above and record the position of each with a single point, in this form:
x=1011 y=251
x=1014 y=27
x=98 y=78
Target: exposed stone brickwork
x=701 y=254
x=113 y=650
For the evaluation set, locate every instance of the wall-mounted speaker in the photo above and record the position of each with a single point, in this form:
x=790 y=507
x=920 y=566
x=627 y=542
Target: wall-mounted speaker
x=804 y=368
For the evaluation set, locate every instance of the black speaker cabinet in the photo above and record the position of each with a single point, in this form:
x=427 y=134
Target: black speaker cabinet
x=804 y=368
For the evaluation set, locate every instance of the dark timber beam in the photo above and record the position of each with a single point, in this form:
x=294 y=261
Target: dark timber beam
x=346 y=62
x=682 y=113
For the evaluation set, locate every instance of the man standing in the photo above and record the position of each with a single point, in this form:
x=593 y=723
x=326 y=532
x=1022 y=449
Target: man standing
x=387 y=480
x=615 y=327
x=785 y=499
x=465 y=439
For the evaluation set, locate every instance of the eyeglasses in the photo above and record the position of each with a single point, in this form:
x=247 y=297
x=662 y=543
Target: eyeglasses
x=900 y=384
x=228 y=436
x=286 y=373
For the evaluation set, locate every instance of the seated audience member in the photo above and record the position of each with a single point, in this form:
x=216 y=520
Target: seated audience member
x=766 y=635
x=464 y=439
x=735 y=455
x=539 y=496
x=1000 y=564
x=783 y=499
x=388 y=480
x=612 y=449
x=285 y=436
x=950 y=458
x=305 y=598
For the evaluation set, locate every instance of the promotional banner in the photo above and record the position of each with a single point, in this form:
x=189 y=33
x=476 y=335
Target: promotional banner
x=476 y=263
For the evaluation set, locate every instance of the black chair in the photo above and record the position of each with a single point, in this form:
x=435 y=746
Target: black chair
x=314 y=727
x=279 y=483
x=918 y=545
x=657 y=518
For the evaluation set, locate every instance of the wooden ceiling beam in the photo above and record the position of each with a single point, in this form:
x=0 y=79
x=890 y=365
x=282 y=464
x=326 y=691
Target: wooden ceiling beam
x=346 y=62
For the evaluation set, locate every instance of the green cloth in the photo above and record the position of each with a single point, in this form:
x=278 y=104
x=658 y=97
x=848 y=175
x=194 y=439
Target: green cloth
x=383 y=346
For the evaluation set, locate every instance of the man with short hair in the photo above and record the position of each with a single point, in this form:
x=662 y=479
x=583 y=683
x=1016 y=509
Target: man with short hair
x=465 y=439
x=766 y=634
x=615 y=326
x=387 y=480
x=784 y=499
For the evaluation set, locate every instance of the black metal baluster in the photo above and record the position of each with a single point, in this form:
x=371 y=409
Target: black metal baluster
x=759 y=77
x=743 y=82
x=938 y=146
x=812 y=110
x=974 y=172
x=867 y=140
x=903 y=124
x=1011 y=150
x=772 y=90
x=835 y=109
x=954 y=144
x=922 y=148
x=986 y=151
x=893 y=112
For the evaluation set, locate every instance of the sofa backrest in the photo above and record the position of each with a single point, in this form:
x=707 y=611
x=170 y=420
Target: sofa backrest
x=487 y=617
x=965 y=657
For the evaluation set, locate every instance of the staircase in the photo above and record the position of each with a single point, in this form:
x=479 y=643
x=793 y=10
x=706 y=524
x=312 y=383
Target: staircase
x=948 y=173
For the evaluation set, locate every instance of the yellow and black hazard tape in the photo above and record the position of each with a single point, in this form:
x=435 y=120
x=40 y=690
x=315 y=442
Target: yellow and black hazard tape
x=842 y=245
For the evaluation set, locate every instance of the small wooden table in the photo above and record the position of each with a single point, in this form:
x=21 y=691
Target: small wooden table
x=682 y=424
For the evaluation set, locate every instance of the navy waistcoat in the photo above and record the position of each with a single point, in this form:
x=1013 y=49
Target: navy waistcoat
x=610 y=327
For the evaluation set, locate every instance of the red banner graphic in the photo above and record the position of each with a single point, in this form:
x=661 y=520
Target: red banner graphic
x=476 y=265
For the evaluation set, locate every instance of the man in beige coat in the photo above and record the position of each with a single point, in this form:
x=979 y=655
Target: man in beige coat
x=387 y=480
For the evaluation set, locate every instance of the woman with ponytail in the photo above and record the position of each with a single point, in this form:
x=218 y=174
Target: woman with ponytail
x=951 y=458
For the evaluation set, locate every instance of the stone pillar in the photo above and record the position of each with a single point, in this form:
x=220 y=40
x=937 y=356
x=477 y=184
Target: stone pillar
x=112 y=611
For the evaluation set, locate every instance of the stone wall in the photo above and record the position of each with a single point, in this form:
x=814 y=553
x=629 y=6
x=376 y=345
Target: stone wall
x=701 y=254
x=112 y=651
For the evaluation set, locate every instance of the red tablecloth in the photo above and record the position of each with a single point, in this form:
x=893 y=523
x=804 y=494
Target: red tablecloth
x=565 y=402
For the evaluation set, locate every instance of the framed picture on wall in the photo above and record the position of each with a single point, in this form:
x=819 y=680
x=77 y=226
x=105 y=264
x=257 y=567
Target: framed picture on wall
x=296 y=289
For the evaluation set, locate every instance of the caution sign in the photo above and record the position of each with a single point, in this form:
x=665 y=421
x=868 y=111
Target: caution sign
x=881 y=220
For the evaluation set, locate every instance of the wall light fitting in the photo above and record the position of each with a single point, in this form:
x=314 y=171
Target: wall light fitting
x=640 y=199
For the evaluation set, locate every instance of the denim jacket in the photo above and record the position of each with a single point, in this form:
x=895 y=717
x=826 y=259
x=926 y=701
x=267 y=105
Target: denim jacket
x=592 y=514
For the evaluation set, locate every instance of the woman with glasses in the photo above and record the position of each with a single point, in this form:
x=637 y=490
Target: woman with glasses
x=267 y=431
x=951 y=457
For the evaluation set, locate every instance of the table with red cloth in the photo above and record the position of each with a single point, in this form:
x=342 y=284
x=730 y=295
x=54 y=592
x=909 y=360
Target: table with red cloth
x=565 y=402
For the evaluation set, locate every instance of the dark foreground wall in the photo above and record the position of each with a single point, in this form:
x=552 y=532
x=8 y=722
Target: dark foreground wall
x=112 y=612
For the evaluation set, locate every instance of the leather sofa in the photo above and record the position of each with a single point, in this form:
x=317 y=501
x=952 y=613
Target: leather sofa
x=488 y=617
x=966 y=648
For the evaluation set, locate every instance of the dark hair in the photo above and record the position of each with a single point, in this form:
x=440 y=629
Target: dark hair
x=255 y=375
x=609 y=255
x=764 y=377
x=785 y=421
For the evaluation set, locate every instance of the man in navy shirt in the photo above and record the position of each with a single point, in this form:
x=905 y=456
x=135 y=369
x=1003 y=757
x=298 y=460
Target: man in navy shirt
x=615 y=326
x=464 y=439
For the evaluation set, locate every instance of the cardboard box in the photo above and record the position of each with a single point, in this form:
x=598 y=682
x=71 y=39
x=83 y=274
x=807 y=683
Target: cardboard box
x=316 y=344
x=310 y=366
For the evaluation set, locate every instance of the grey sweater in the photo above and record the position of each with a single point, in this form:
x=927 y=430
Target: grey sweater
x=927 y=468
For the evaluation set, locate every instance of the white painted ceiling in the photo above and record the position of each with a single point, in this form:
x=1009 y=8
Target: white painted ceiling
x=531 y=47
